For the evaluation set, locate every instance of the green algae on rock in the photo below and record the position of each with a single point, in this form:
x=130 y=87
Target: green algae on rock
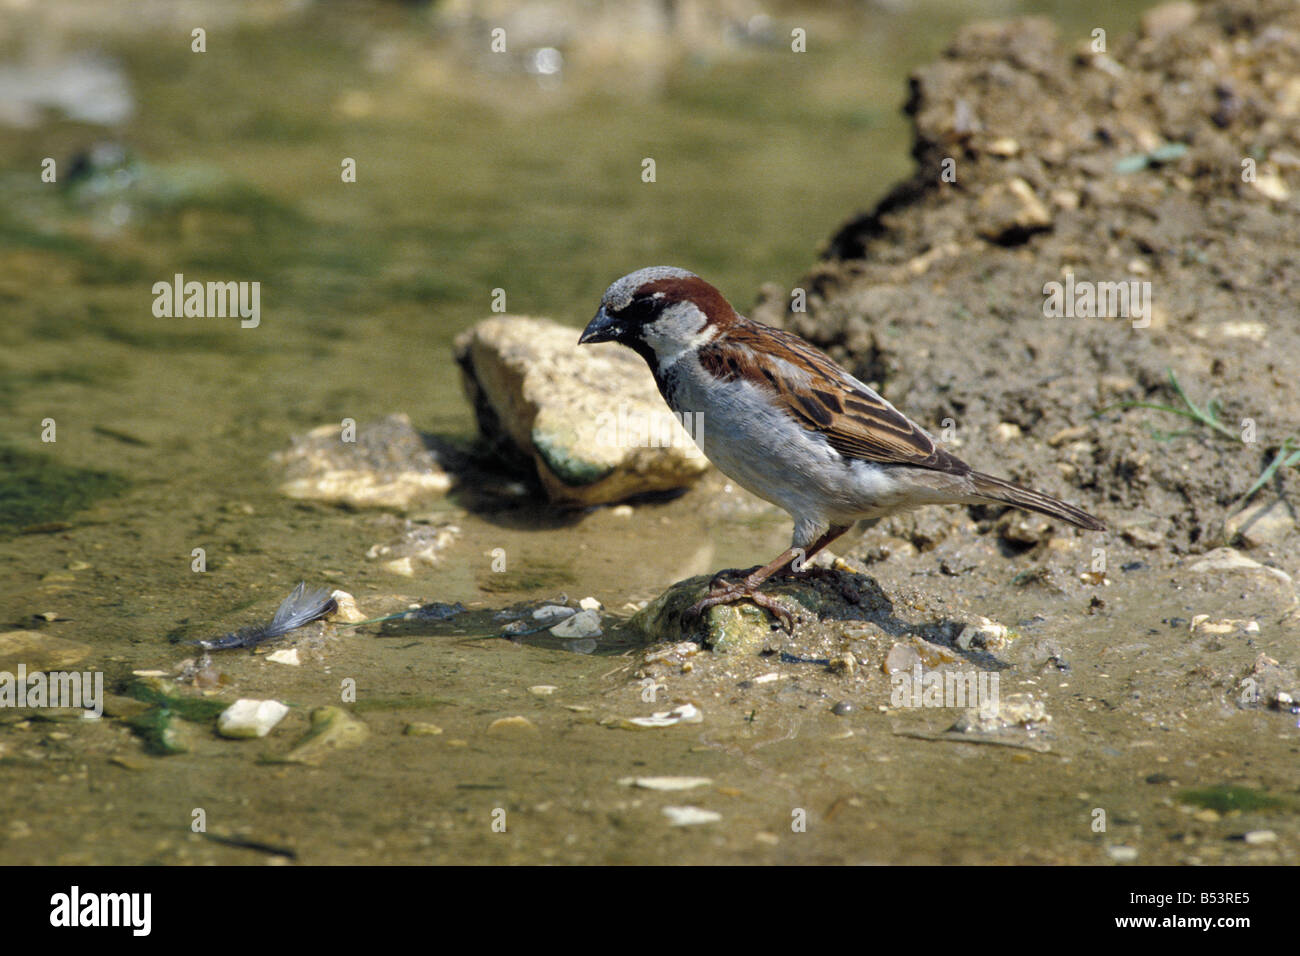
x=744 y=628
x=332 y=728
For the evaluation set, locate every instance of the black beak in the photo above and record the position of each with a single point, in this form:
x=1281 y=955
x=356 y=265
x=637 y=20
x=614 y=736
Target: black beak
x=602 y=328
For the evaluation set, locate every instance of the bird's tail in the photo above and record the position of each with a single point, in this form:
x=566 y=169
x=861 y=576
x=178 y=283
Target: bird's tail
x=1001 y=491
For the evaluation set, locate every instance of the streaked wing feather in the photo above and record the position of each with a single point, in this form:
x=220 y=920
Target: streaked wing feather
x=857 y=422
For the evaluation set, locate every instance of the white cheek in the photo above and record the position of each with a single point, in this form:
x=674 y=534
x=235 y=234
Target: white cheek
x=677 y=332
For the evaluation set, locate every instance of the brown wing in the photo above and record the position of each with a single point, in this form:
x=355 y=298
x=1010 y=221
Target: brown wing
x=856 y=421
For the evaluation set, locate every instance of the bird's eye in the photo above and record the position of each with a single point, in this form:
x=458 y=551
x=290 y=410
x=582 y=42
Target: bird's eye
x=641 y=305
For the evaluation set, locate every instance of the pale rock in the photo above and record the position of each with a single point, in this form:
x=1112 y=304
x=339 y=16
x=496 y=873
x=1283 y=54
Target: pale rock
x=575 y=414
x=348 y=612
x=512 y=727
x=247 y=718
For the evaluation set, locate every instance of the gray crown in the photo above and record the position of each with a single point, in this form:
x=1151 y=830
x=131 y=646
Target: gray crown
x=618 y=295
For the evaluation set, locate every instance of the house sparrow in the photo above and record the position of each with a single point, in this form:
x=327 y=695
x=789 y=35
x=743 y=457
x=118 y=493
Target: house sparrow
x=787 y=423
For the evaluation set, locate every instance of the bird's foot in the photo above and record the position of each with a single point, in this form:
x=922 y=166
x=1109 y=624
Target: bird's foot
x=719 y=580
x=740 y=591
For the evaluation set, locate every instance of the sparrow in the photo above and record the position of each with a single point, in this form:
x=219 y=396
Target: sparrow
x=785 y=422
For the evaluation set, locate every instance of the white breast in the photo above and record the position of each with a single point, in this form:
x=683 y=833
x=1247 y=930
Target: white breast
x=768 y=452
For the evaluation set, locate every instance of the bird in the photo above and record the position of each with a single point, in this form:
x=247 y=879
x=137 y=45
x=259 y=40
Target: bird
x=787 y=423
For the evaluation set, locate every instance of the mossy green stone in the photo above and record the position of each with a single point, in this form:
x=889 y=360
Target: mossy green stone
x=564 y=459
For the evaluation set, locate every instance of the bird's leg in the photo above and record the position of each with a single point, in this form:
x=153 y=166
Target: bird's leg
x=724 y=593
x=817 y=545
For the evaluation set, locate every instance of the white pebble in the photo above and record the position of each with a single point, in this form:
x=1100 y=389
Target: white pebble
x=1260 y=837
x=288 y=656
x=250 y=718
x=589 y=604
x=690 y=816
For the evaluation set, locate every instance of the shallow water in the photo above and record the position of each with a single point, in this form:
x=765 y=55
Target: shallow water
x=469 y=180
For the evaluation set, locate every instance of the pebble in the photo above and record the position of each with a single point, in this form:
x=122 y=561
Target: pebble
x=389 y=465
x=690 y=816
x=986 y=633
x=1201 y=624
x=553 y=612
x=1122 y=854
x=332 y=728
x=1014 y=710
x=665 y=783
x=542 y=690
x=1260 y=524
x=288 y=656
x=512 y=727
x=843 y=708
x=1067 y=435
x=1260 y=837
x=901 y=658
x=589 y=604
x=685 y=714
x=250 y=718
x=347 y=612
x=420 y=729
x=582 y=624
x=584 y=646
x=1226 y=559
x=1141 y=537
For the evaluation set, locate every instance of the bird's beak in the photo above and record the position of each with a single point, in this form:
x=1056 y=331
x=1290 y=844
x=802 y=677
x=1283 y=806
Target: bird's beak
x=602 y=328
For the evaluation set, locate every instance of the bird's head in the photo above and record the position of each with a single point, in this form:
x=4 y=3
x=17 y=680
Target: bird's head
x=661 y=312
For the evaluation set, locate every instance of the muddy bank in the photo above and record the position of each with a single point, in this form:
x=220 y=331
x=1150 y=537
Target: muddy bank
x=1170 y=160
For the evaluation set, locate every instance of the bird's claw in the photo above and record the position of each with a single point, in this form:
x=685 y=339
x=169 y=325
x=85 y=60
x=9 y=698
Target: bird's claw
x=731 y=593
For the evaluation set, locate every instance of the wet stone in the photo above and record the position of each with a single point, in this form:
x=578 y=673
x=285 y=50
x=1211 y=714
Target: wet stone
x=513 y=727
x=581 y=418
x=388 y=466
x=332 y=728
